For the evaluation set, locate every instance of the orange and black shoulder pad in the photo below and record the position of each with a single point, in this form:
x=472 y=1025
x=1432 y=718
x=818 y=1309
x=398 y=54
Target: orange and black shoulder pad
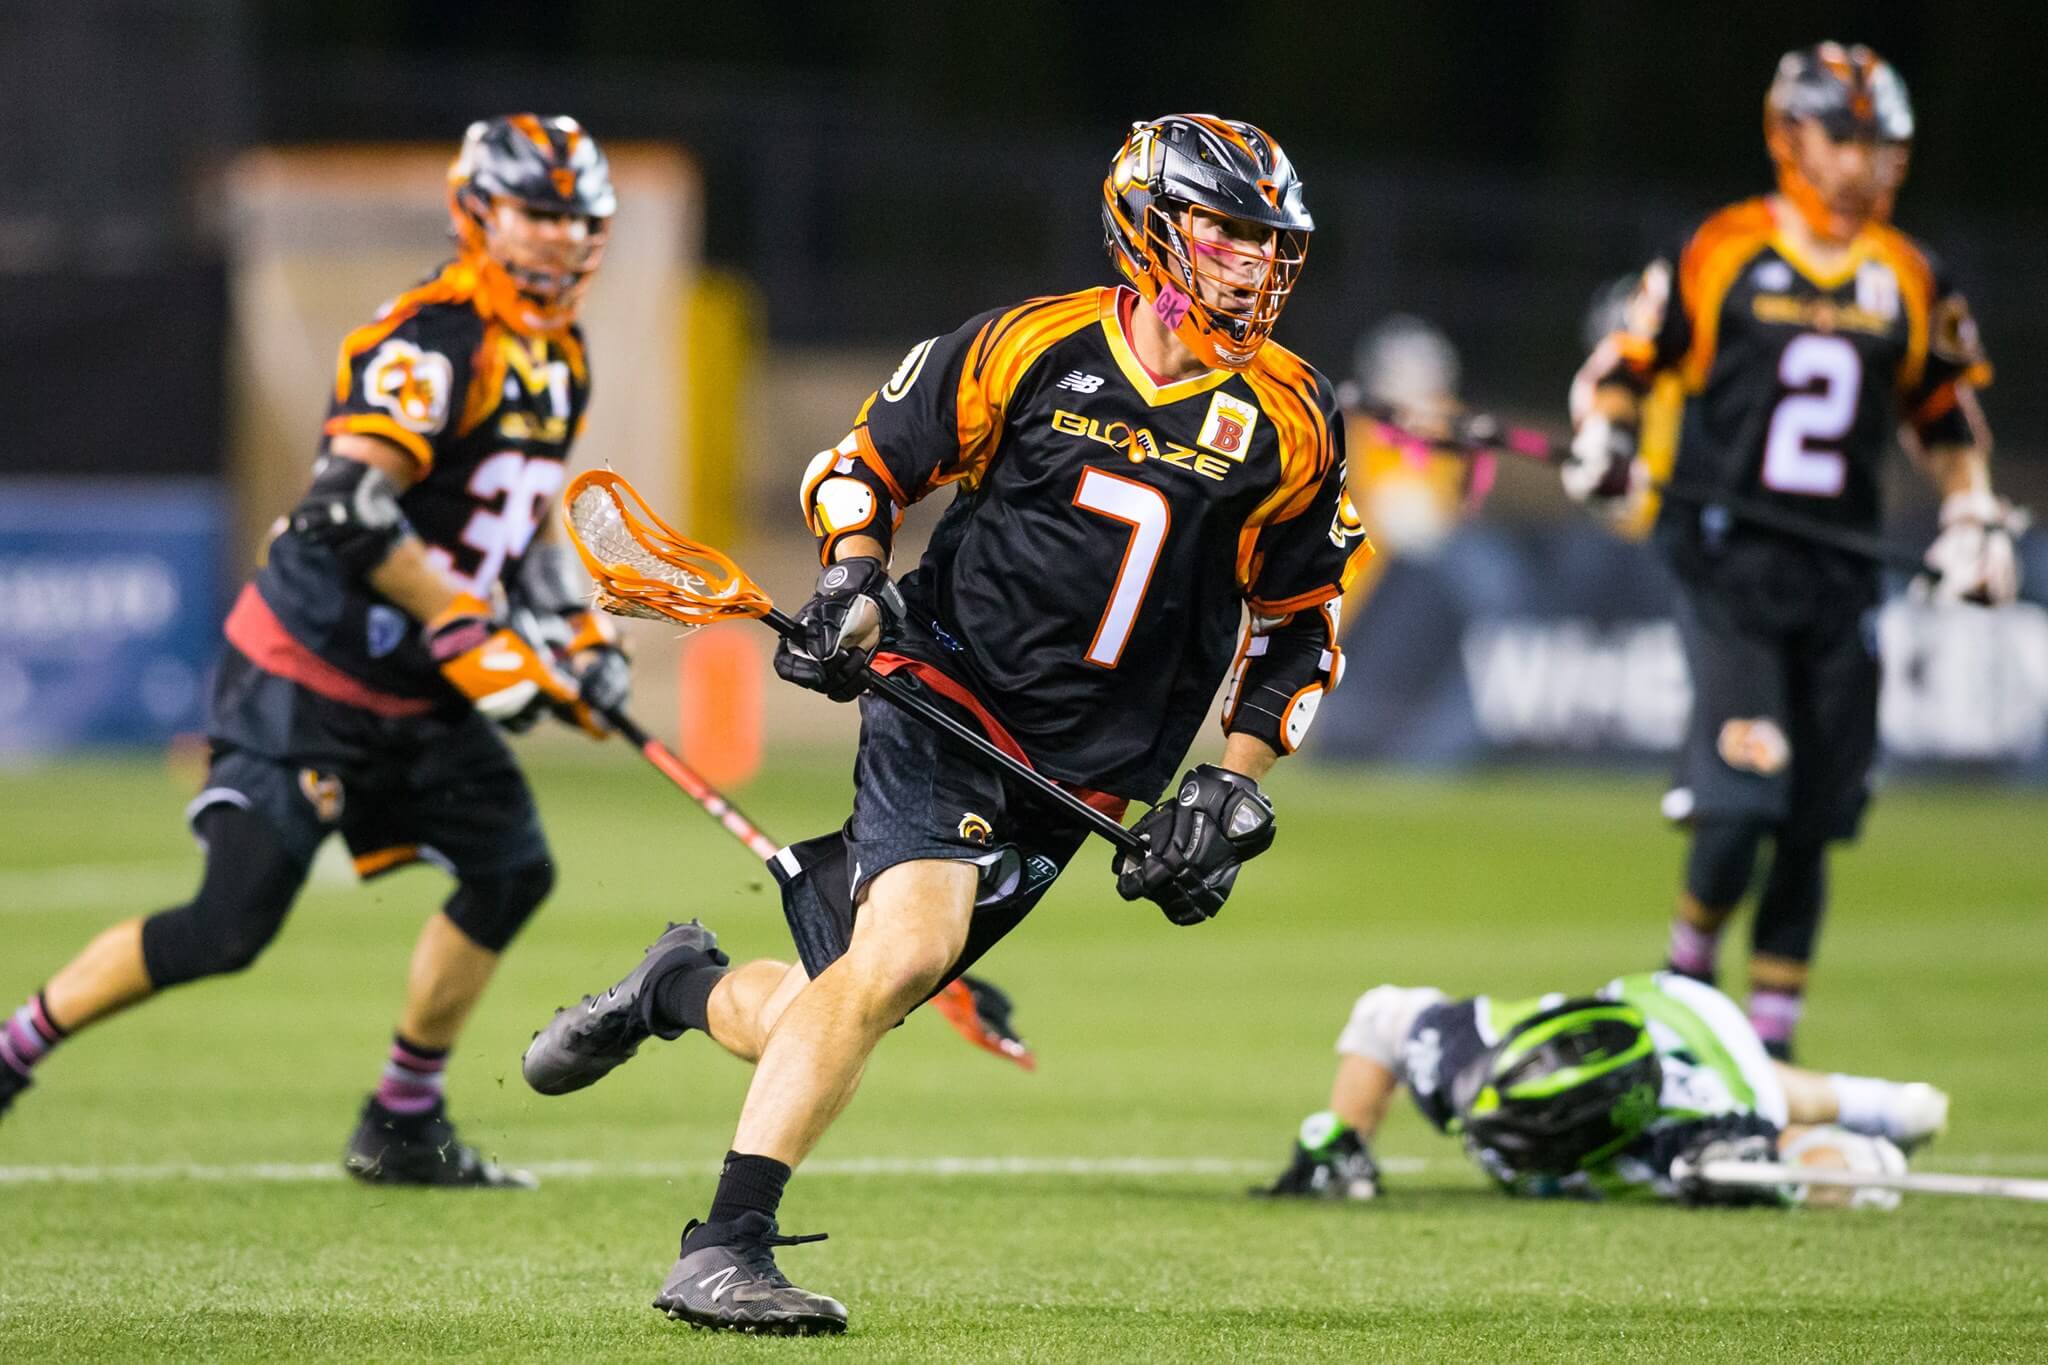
x=407 y=376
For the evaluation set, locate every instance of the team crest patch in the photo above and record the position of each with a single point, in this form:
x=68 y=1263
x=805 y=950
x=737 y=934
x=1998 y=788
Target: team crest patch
x=1755 y=746
x=1227 y=429
x=384 y=629
x=975 y=829
x=410 y=384
x=323 y=792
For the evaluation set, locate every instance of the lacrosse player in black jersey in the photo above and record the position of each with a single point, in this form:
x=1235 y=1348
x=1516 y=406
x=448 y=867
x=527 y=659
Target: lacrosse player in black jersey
x=1137 y=470
x=366 y=672
x=1806 y=330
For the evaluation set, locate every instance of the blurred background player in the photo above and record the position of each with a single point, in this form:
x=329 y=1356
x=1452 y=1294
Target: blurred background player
x=1806 y=329
x=1138 y=466
x=1596 y=1096
x=367 y=669
x=1403 y=392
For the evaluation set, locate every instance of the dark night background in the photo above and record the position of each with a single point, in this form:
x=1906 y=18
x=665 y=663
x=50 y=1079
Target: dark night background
x=880 y=171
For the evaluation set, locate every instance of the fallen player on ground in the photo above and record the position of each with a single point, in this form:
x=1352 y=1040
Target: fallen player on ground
x=1597 y=1097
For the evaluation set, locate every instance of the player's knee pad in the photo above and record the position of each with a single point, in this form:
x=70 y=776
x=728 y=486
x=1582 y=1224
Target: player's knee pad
x=249 y=885
x=491 y=908
x=1380 y=1021
x=1795 y=893
x=1722 y=860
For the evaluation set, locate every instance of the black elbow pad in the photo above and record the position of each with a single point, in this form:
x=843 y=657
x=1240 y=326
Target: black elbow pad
x=351 y=510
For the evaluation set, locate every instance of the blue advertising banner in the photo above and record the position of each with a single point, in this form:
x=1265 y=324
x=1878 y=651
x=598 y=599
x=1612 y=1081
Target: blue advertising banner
x=111 y=599
x=1558 y=642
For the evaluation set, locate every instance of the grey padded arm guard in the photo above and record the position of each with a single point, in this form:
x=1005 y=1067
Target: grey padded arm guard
x=351 y=509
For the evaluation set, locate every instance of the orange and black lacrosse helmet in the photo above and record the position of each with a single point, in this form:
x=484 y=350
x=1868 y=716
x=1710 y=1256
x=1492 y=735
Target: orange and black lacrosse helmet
x=548 y=166
x=1854 y=95
x=1171 y=168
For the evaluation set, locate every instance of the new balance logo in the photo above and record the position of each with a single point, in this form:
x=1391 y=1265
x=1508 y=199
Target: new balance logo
x=1079 y=382
x=723 y=1279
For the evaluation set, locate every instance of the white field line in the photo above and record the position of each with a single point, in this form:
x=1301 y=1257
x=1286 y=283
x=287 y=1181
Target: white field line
x=308 y=1172
x=91 y=886
x=100 y=886
x=293 y=1173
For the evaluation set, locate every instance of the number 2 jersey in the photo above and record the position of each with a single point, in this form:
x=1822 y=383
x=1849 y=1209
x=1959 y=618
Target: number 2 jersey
x=1796 y=378
x=1089 y=579
x=489 y=415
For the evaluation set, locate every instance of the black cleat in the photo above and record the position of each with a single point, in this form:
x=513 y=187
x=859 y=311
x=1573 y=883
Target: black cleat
x=12 y=1083
x=582 y=1043
x=422 y=1149
x=1331 y=1161
x=732 y=1284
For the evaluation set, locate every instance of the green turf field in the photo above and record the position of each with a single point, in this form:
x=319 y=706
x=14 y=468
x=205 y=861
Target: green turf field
x=1175 y=1063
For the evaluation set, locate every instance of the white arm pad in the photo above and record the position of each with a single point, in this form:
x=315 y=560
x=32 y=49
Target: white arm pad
x=1380 y=1021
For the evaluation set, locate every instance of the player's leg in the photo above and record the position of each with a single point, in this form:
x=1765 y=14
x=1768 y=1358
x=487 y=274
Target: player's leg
x=944 y=862
x=1788 y=916
x=1733 y=767
x=912 y=927
x=1833 y=708
x=251 y=877
x=1907 y=1112
x=462 y=803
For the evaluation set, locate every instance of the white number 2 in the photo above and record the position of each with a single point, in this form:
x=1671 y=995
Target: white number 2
x=1142 y=508
x=1799 y=453
x=520 y=488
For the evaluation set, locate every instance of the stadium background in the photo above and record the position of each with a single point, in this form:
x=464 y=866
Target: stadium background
x=834 y=185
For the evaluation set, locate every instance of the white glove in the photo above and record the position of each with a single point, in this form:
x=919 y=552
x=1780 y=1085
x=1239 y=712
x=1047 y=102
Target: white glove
x=1974 y=558
x=1599 y=465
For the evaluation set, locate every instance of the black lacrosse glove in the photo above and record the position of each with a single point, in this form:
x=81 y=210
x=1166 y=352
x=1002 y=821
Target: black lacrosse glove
x=1194 y=844
x=1732 y=1137
x=854 y=600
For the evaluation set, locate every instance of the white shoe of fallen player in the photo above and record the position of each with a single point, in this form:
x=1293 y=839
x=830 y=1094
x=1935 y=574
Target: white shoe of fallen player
x=1919 y=1116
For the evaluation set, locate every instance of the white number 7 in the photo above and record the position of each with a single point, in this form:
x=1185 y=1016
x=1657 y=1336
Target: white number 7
x=1143 y=508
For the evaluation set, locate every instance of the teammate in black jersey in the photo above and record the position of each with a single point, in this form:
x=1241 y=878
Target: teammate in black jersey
x=366 y=672
x=1137 y=470
x=1806 y=330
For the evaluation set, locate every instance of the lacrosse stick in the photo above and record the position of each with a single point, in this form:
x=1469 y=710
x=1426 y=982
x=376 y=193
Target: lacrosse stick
x=976 y=1010
x=644 y=567
x=1479 y=435
x=1754 y=1173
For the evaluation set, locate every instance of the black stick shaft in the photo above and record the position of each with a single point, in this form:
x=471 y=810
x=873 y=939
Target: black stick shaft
x=918 y=705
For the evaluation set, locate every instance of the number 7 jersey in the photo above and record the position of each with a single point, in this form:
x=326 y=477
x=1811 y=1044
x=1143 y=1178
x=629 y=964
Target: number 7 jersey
x=488 y=414
x=1797 y=378
x=1110 y=529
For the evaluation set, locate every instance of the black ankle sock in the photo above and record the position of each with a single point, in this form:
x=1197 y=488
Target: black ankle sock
x=748 y=1184
x=679 y=1000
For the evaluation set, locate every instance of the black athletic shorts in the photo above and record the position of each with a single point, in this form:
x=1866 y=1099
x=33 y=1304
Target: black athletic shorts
x=440 y=788
x=919 y=795
x=1781 y=641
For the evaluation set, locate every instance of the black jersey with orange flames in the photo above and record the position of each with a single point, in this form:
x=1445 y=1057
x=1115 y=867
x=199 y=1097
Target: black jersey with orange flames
x=1796 y=379
x=1090 y=577
x=489 y=415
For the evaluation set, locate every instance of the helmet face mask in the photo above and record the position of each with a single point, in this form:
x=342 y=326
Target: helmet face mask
x=1839 y=125
x=1204 y=217
x=530 y=200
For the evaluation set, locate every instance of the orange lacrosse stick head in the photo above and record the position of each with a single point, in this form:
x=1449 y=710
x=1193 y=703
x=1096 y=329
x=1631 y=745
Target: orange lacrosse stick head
x=644 y=567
